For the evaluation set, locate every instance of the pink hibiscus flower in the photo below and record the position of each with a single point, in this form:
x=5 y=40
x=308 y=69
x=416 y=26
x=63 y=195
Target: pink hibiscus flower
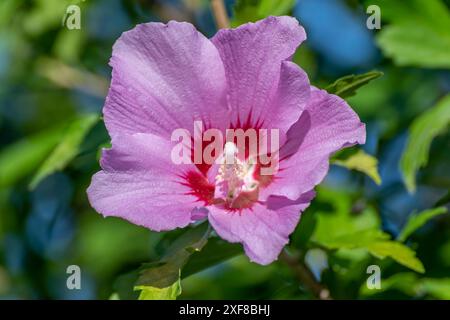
x=168 y=76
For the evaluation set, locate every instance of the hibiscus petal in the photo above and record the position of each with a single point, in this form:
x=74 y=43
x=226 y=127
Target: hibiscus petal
x=164 y=77
x=142 y=152
x=252 y=55
x=141 y=184
x=263 y=231
x=327 y=125
x=291 y=98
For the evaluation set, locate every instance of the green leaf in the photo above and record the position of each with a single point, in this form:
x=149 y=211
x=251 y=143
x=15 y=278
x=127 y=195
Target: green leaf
x=105 y=145
x=343 y=230
x=362 y=162
x=67 y=147
x=438 y=288
x=165 y=273
x=373 y=241
x=410 y=284
x=418 y=34
x=377 y=244
x=21 y=158
x=124 y=286
x=305 y=229
x=359 y=239
x=244 y=11
x=398 y=252
x=415 y=45
x=417 y=220
x=216 y=251
x=254 y=10
x=152 y=293
x=432 y=12
x=114 y=296
x=406 y=282
x=7 y=13
x=44 y=15
x=445 y=199
x=423 y=130
x=339 y=223
x=346 y=87
x=275 y=8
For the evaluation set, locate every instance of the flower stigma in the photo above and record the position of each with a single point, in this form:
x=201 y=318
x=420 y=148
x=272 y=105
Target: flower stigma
x=235 y=179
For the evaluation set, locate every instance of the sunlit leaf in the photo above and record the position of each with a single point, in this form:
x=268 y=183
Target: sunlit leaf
x=416 y=220
x=7 y=9
x=254 y=10
x=406 y=282
x=415 y=45
x=417 y=34
x=153 y=293
x=410 y=284
x=114 y=296
x=275 y=8
x=340 y=222
x=346 y=86
x=438 y=288
x=433 y=12
x=423 y=130
x=398 y=252
x=67 y=147
x=359 y=239
x=377 y=244
x=362 y=162
x=342 y=230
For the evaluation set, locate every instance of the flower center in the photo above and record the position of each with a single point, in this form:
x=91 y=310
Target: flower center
x=235 y=182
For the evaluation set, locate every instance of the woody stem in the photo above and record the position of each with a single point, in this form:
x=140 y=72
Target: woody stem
x=220 y=14
x=304 y=275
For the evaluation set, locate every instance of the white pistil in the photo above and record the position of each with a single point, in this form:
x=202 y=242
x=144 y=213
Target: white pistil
x=234 y=176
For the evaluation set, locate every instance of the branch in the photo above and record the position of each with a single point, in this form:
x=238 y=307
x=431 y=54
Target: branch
x=220 y=14
x=69 y=77
x=305 y=276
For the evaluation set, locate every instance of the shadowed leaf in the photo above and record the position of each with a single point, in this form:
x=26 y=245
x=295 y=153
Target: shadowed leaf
x=417 y=220
x=161 y=279
x=424 y=129
x=346 y=87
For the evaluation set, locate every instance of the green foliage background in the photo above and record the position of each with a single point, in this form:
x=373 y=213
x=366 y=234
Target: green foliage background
x=385 y=204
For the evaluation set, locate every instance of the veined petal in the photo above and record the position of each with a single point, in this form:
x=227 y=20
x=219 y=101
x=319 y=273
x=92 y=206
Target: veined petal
x=165 y=76
x=263 y=230
x=291 y=97
x=327 y=125
x=142 y=152
x=141 y=184
x=149 y=199
x=252 y=55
